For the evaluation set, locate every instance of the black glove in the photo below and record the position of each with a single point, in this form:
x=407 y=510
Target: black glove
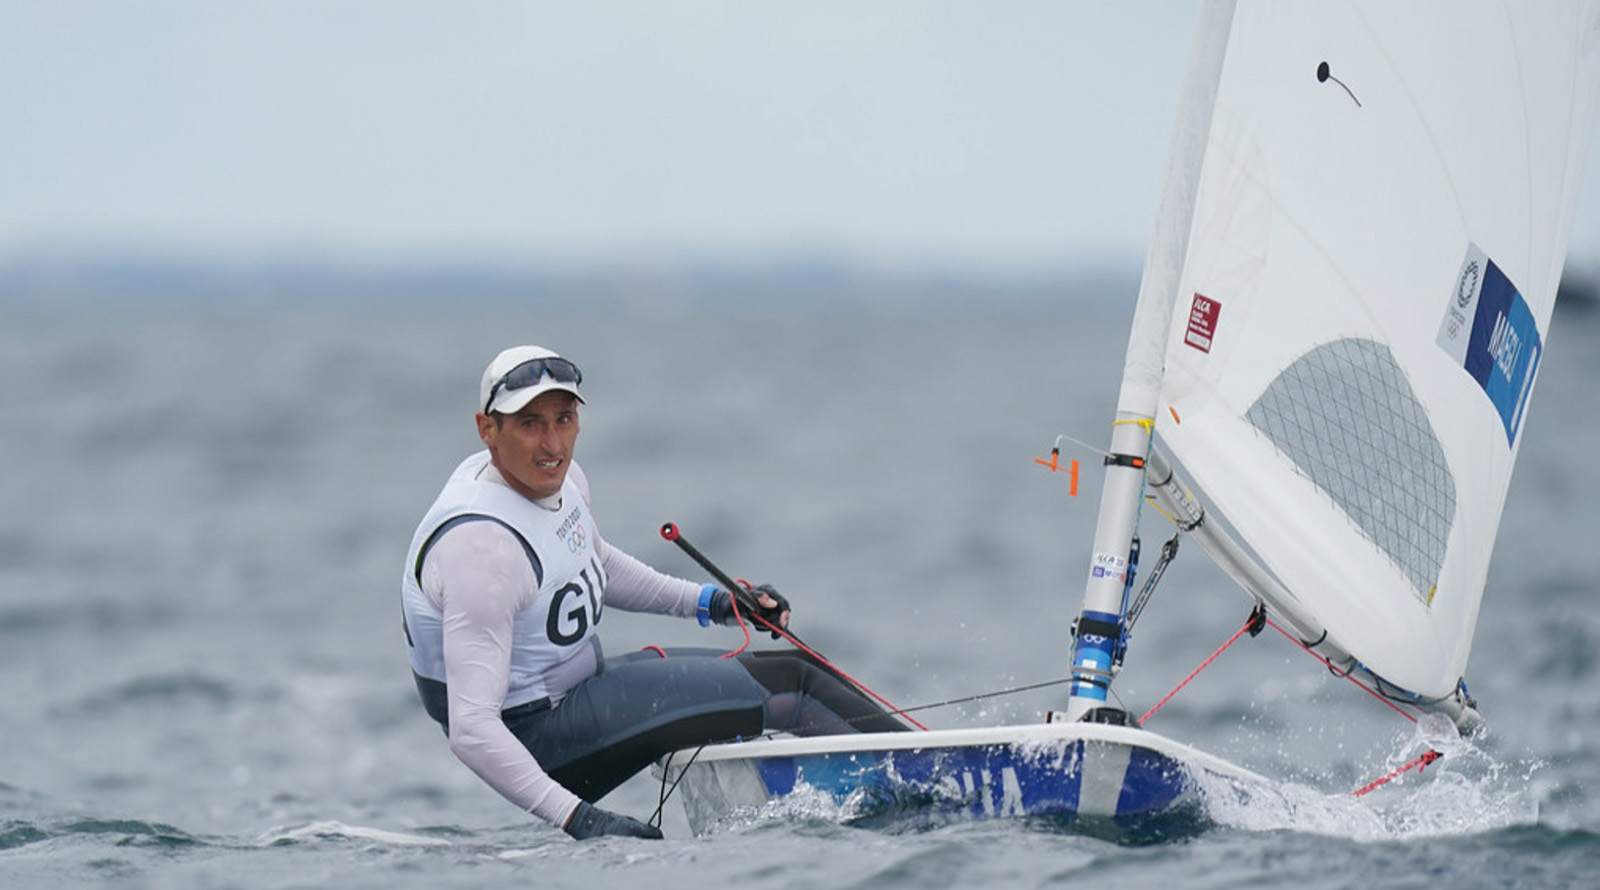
x=589 y=821
x=721 y=607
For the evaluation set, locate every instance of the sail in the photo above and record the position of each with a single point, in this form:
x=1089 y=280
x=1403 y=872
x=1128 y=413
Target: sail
x=1349 y=344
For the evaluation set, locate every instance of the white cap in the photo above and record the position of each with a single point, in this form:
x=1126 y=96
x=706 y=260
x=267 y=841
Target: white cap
x=508 y=400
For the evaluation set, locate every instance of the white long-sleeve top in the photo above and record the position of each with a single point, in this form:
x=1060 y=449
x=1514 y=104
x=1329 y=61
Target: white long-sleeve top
x=478 y=577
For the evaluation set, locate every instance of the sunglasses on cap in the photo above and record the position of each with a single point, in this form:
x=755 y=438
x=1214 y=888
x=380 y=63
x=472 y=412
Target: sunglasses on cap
x=531 y=372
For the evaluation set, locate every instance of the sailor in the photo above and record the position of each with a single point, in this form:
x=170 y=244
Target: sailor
x=506 y=583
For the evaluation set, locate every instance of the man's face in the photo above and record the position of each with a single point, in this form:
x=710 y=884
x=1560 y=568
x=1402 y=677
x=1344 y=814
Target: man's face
x=533 y=447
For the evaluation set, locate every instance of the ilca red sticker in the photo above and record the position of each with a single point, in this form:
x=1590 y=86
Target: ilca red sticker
x=1202 y=322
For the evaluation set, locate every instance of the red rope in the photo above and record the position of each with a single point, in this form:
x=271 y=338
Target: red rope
x=818 y=656
x=1345 y=674
x=1194 y=673
x=1420 y=764
x=742 y=626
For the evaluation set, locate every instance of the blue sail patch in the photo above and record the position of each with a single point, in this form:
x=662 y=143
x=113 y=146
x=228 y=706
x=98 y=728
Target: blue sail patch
x=1489 y=329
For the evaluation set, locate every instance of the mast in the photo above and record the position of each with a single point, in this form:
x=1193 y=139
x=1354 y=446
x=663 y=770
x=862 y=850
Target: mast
x=1098 y=630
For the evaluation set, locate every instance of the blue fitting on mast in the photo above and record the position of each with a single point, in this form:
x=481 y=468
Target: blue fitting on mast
x=1098 y=636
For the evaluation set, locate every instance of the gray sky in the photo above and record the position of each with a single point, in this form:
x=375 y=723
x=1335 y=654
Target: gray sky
x=1021 y=132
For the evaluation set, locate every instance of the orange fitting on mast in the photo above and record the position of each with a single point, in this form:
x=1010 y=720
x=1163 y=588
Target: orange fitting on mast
x=1054 y=465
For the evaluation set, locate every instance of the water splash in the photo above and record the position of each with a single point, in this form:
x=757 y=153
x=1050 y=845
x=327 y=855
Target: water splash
x=1466 y=792
x=804 y=804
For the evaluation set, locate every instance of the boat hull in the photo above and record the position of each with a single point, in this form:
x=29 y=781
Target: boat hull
x=1101 y=777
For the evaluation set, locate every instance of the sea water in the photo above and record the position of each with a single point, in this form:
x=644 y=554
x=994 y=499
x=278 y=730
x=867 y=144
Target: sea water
x=206 y=503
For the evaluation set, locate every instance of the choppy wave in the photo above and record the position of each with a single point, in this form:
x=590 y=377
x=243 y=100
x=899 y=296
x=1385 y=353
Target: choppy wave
x=119 y=832
x=338 y=831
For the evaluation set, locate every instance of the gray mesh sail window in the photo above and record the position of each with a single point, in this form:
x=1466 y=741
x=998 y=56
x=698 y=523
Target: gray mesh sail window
x=1345 y=415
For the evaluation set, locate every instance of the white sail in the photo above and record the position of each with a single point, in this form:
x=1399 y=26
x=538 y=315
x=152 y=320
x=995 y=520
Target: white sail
x=1378 y=230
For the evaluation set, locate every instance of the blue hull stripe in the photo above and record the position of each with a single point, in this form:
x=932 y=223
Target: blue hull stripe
x=983 y=780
